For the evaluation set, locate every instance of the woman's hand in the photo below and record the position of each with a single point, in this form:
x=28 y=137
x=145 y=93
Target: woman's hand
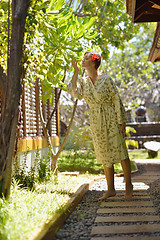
x=123 y=129
x=75 y=65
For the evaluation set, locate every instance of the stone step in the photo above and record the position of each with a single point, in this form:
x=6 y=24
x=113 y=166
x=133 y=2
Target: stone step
x=119 y=219
x=127 y=238
x=127 y=210
x=126 y=229
x=126 y=204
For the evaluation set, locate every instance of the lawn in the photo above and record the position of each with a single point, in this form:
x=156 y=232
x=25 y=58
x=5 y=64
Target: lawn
x=141 y=154
x=23 y=215
x=25 y=212
x=83 y=161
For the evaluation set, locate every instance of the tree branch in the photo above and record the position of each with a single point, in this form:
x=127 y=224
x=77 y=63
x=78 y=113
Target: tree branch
x=85 y=15
x=68 y=130
x=103 y=14
x=84 y=3
x=56 y=104
x=70 y=3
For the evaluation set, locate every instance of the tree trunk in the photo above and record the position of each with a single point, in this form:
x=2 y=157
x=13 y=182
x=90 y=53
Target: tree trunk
x=10 y=111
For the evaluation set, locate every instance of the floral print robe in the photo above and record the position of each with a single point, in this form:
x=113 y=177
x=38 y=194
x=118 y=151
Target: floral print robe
x=106 y=114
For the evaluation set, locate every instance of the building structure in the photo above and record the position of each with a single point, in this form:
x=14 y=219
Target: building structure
x=147 y=11
x=30 y=135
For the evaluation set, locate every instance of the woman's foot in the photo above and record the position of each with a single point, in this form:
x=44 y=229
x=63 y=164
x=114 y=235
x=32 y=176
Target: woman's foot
x=129 y=192
x=107 y=195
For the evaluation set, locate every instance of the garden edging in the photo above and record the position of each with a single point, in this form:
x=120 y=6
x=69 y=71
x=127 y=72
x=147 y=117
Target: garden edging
x=50 y=228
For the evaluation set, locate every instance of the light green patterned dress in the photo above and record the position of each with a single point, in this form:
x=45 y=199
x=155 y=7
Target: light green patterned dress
x=106 y=114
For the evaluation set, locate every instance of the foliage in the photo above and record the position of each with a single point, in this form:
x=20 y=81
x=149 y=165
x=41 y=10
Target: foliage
x=79 y=138
x=57 y=30
x=26 y=176
x=56 y=39
x=83 y=161
x=130 y=142
x=132 y=73
x=26 y=212
x=114 y=26
x=141 y=154
x=3 y=32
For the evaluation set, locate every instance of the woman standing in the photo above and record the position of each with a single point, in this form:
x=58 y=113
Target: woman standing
x=107 y=119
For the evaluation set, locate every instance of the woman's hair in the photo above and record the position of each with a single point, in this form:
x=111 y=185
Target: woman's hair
x=95 y=58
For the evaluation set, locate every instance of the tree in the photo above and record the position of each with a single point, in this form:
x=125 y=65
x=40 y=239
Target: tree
x=113 y=25
x=54 y=32
x=58 y=33
x=136 y=78
x=11 y=90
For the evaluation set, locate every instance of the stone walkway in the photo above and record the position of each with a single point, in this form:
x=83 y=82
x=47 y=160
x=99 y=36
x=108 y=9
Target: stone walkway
x=136 y=219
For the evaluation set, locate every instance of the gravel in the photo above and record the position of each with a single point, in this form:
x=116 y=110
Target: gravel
x=154 y=192
x=82 y=219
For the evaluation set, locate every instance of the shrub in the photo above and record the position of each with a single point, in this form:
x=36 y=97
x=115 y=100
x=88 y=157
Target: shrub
x=27 y=177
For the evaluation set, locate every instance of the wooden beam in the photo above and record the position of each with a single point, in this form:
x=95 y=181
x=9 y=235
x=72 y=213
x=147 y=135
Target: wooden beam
x=49 y=112
x=144 y=10
x=57 y=113
x=37 y=107
x=157 y=2
x=143 y=5
x=24 y=110
x=155 y=49
x=130 y=7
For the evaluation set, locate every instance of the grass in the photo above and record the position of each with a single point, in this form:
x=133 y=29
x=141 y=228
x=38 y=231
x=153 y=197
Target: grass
x=141 y=154
x=84 y=161
x=23 y=215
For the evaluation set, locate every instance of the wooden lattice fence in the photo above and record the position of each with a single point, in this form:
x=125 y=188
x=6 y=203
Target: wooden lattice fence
x=30 y=124
x=30 y=131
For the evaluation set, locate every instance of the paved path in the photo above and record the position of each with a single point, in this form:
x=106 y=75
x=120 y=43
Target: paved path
x=136 y=219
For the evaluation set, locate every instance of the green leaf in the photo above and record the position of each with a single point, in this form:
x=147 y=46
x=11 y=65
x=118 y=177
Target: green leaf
x=51 y=4
x=49 y=26
x=59 y=4
x=75 y=50
x=80 y=34
x=89 y=23
x=91 y=36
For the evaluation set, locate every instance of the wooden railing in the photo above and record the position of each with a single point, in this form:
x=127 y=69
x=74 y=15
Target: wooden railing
x=145 y=131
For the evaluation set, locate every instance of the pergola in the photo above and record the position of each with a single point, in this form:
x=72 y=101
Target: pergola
x=147 y=11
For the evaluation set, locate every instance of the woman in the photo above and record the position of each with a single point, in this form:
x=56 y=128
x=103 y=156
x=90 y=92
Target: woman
x=107 y=119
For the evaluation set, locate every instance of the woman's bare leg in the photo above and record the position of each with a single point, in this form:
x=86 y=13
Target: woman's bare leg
x=109 y=173
x=127 y=173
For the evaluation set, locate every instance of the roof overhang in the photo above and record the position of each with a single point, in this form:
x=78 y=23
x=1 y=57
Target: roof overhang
x=144 y=10
x=154 y=55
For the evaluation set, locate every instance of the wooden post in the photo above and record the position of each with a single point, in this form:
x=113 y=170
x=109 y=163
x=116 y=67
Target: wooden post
x=24 y=111
x=37 y=108
x=49 y=127
x=57 y=113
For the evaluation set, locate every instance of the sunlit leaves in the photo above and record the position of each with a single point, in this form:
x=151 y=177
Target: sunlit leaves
x=133 y=74
x=3 y=32
x=57 y=39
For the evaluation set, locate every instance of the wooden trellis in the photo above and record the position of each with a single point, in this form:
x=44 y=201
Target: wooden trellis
x=30 y=124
